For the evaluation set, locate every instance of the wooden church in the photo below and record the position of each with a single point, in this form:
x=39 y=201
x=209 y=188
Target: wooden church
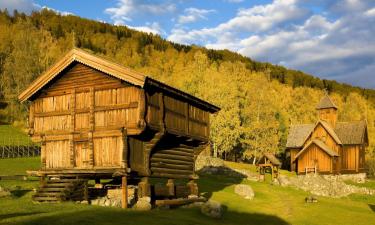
x=96 y=119
x=328 y=146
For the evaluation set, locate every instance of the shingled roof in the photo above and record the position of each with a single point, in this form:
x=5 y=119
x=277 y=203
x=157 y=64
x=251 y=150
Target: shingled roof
x=326 y=103
x=298 y=135
x=321 y=145
x=351 y=133
x=346 y=133
x=271 y=157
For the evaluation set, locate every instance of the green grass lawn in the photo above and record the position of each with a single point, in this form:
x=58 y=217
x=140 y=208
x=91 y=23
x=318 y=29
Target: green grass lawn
x=368 y=184
x=271 y=205
x=18 y=166
x=10 y=135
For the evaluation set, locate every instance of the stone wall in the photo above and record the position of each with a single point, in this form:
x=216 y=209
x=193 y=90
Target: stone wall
x=326 y=185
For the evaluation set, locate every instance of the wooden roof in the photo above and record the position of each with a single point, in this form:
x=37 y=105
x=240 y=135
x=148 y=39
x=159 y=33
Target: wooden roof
x=346 y=133
x=112 y=69
x=271 y=157
x=298 y=135
x=352 y=133
x=321 y=145
x=330 y=130
x=326 y=103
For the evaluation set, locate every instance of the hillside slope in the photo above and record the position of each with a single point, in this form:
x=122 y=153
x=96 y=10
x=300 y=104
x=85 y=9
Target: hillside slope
x=259 y=101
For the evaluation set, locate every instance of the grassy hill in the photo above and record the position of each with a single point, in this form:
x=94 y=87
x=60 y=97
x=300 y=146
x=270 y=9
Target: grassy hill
x=258 y=101
x=271 y=205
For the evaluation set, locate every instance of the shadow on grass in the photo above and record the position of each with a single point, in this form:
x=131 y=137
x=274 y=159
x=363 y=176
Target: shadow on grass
x=19 y=193
x=12 y=215
x=220 y=178
x=372 y=207
x=104 y=216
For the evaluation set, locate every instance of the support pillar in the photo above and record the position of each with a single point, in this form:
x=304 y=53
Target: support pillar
x=124 y=187
x=193 y=188
x=171 y=187
x=144 y=188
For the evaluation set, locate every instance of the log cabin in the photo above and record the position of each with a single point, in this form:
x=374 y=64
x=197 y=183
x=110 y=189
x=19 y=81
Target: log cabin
x=95 y=119
x=328 y=146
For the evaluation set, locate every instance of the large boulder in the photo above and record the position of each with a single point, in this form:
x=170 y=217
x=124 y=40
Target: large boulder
x=244 y=190
x=212 y=209
x=143 y=204
x=4 y=192
x=203 y=161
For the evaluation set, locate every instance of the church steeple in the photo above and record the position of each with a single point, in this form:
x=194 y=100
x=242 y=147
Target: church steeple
x=327 y=110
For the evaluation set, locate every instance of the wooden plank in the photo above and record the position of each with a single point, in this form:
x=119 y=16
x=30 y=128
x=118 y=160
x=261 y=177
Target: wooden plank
x=169 y=156
x=176 y=176
x=171 y=161
x=174 y=152
x=171 y=166
x=87 y=110
x=171 y=171
x=176 y=202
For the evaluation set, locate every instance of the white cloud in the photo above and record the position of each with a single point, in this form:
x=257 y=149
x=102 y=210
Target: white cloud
x=63 y=13
x=193 y=15
x=26 y=6
x=259 y=18
x=126 y=9
x=370 y=12
x=336 y=44
x=149 y=28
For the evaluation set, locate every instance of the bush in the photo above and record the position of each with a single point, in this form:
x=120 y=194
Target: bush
x=370 y=166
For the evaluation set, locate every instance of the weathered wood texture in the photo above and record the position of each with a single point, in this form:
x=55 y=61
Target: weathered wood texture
x=85 y=110
x=181 y=118
x=87 y=120
x=315 y=157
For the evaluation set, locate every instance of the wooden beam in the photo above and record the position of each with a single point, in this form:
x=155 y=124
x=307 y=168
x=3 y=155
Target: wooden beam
x=87 y=110
x=174 y=157
x=43 y=153
x=171 y=171
x=186 y=118
x=175 y=152
x=176 y=202
x=171 y=161
x=31 y=119
x=124 y=188
x=161 y=111
x=124 y=153
x=176 y=176
x=171 y=166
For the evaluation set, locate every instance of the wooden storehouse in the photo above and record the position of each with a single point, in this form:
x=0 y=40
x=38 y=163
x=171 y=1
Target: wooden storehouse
x=97 y=119
x=268 y=163
x=328 y=146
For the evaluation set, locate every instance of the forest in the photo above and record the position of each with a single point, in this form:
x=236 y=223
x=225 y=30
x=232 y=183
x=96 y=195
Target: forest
x=259 y=101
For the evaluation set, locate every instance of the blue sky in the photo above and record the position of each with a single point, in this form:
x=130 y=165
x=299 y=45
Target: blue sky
x=333 y=39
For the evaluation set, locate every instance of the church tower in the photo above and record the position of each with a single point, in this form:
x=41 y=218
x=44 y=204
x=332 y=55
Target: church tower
x=327 y=110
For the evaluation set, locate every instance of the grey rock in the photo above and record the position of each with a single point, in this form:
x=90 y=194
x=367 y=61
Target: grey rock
x=142 y=205
x=116 y=203
x=95 y=202
x=4 y=192
x=203 y=161
x=245 y=191
x=84 y=202
x=107 y=202
x=212 y=209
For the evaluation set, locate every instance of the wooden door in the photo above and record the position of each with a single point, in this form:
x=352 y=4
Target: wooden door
x=82 y=155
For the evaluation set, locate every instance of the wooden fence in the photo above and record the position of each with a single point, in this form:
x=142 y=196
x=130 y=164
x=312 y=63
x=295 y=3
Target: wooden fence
x=11 y=151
